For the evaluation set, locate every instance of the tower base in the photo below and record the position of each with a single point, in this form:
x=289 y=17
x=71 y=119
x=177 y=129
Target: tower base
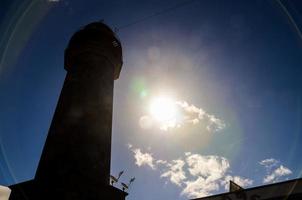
x=32 y=190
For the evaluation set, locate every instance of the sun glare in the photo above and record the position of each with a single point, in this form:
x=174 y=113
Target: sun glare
x=163 y=109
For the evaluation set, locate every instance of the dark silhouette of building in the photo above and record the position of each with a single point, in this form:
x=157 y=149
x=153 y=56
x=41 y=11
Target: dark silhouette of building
x=287 y=190
x=75 y=162
x=234 y=186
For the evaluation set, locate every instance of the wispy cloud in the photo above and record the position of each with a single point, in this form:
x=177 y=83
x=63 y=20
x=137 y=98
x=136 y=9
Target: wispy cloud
x=199 y=187
x=275 y=171
x=211 y=167
x=269 y=163
x=197 y=175
x=202 y=175
x=207 y=172
x=175 y=172
x=275 y=175
x=142 y=159
x=195 y=115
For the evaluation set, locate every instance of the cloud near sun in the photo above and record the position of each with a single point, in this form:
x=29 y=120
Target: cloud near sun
x=202 y=175
x=168 y=115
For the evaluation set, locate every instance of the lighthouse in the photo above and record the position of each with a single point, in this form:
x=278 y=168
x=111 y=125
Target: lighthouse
x=75 y=161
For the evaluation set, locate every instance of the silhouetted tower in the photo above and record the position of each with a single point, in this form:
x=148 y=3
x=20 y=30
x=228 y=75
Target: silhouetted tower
x=79 y=140
x=75 y=161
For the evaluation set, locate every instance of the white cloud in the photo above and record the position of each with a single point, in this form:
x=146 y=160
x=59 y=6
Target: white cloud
x=276 y=174
x=214 y=124
x=202 y=175
x=207 y=171
x=197 y=175
x=175 y=172
x=142 y=158
x=163 y=162
x=274 y=170
x=53 y=0
x=195 y=115
x=129 y=146
x=269 y=162
x=199 y=187
x=170 y=124
x=210 y=167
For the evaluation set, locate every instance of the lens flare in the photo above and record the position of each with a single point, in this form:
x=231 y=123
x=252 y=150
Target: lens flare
x=163 y=109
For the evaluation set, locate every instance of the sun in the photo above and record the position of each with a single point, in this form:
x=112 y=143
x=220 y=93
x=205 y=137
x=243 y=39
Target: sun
x=163 y=109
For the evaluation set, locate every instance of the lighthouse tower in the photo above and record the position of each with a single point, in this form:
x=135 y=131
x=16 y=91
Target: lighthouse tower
x=75 y=162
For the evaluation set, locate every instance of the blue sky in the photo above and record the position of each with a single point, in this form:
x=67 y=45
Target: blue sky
x=233 y=69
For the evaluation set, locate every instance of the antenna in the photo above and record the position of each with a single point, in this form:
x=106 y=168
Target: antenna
x=113 y=179
x=127 y=186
